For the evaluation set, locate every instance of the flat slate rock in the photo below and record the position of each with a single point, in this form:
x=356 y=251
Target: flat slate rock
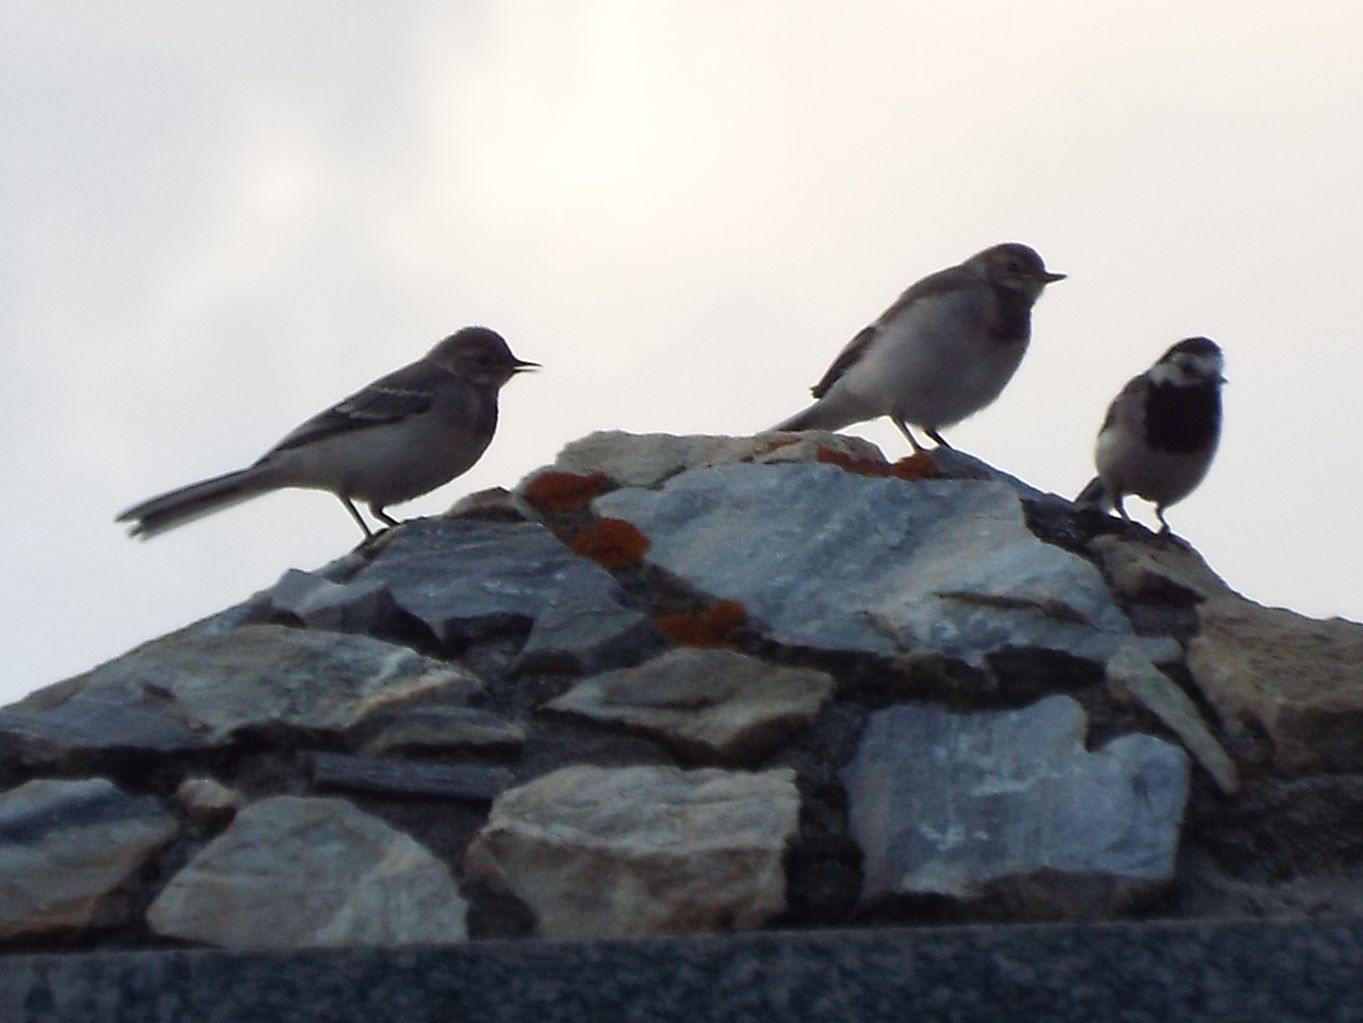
x=409 y=730
x=1241 y=971
x=195 y=690
x=461 y=576
x=828 y=559
x=1010 y=804
x=706 y=704
x=66 y=846
x=405 y=777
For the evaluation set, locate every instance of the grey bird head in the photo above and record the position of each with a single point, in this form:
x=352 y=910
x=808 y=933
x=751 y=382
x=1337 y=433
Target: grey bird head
x=478 y=354
x=1014 y=266
x=1194 y=360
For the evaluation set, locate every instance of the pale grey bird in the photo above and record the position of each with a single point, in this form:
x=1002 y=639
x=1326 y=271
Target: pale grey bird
x=403 y=435
x=942 y=352
x=1161 y=432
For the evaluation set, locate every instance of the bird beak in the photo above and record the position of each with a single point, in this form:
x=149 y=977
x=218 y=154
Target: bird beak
x=521 y=365
x=1050 y=277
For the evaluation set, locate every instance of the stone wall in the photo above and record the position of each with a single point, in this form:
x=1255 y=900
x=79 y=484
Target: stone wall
x=698 y=684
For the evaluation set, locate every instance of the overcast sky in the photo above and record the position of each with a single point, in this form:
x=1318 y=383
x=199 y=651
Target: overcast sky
x=217 y=219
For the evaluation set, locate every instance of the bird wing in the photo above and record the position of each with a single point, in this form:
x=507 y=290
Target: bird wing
x=950 y=281
x=404 y=392
x=845 y=360
x=1126 y=402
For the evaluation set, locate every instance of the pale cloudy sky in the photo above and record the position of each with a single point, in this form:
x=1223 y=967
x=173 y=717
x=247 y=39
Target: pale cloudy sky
x=218 y=219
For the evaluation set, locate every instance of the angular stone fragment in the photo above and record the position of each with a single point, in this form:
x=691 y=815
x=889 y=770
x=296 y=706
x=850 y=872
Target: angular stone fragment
x=705 y=703
x=643 y=460
x=1010 y=803
x=319 y=603
x=66 y=846
x=1158 y=570
x=828 y=559
x=591 y=632
x=1131 y=676
x=208 y=801
x=430 y=729
x=1296 y=681
x=463 y=576
x=292 y=872
x=193 y=690
x=492 y=503
x=641 y=850
x=405 y=777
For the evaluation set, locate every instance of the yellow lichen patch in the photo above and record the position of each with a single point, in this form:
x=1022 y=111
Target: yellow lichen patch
x=719 y=625
x=611 y=543
x=565 y=491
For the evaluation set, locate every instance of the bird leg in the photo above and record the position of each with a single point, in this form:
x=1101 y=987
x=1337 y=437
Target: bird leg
x=355 y=514
x=382 y=516
x=937 y=438
x=904 y=429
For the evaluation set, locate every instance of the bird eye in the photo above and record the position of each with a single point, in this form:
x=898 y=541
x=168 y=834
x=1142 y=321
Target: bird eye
x=1015 y=266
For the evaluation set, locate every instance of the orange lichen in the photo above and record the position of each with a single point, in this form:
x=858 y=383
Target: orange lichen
x=611 y=543
x=918 y=466
x=719 y=625
x=860 y=466
x=565 y=491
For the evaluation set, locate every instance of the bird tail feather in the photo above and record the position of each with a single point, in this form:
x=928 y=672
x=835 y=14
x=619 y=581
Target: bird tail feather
x=185 y=504
x=815 y=417
x=1095 y=494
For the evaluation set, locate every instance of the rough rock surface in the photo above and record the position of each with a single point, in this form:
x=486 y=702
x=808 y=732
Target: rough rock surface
x=292 y=872
x=714 y=704
x=1010 y=804
x=458 y=576
x=1288 y=687
x=1296 y=681
x=66 y=846
x=824 y=558
x=641 y=850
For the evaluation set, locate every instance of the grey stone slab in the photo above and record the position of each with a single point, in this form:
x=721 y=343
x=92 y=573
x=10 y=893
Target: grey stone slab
x=404 y=777
x=824 y=558
x=427 y=729
x=292 y=872
x=462 y=576
x=319 y=603
x=65 y=846
x=580 y=633
x=1242 y=971
x=195 y=689
x=1011 y=803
